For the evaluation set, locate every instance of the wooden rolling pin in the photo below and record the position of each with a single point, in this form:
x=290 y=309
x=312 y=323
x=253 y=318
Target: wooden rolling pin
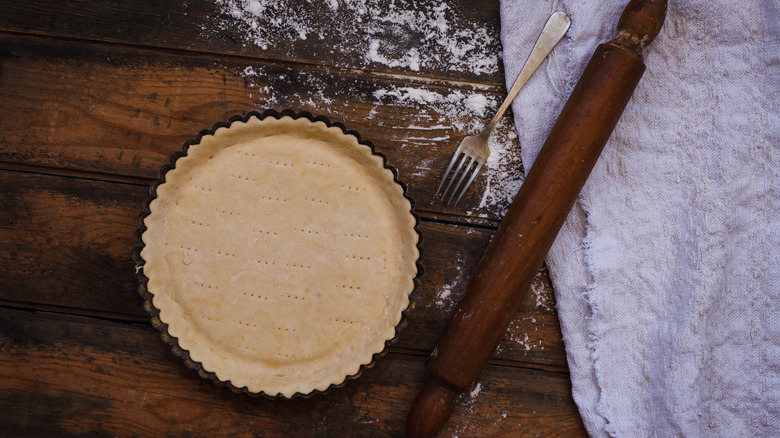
x=536 y=215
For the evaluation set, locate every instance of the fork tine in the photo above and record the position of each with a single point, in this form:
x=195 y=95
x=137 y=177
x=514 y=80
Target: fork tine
x=455 y=156
x=464 y=165
x=466 y=172
x=474 y=174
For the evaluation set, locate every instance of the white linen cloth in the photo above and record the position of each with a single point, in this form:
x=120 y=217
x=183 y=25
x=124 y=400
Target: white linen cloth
x=667 y=271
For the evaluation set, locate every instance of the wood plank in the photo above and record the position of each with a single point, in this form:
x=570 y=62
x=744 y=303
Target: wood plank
x=134 y=108
x=124 y=111
x=65 y=376
x=68 y=243
x=456 y=39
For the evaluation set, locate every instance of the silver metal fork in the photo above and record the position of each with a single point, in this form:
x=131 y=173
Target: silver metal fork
x=473 y=150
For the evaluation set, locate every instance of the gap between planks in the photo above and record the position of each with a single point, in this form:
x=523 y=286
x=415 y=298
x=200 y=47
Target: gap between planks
x=413 y=79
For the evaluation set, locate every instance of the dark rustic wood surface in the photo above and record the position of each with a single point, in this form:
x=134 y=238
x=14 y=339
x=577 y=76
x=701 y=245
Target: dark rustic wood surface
x=96 y=95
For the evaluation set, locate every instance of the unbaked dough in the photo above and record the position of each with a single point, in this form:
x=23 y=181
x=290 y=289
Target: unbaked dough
x=281 y=253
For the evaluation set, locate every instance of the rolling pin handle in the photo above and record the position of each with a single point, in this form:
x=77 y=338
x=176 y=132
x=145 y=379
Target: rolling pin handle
x=639 y=24
x=431 y=409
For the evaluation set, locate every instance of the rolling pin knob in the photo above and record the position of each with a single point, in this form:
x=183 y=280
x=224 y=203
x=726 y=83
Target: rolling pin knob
x=639 y=24
x=431 y=409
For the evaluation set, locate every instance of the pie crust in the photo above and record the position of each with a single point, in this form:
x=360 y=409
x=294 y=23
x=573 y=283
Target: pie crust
x=281 y=253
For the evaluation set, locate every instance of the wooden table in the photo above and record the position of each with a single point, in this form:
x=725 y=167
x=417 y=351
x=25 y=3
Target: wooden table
x=96 y=95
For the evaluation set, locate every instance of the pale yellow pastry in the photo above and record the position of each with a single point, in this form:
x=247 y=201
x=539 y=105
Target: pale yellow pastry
x=281 y=253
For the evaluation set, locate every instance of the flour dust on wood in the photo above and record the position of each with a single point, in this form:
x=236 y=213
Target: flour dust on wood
x=413 y=36
x=398 y=35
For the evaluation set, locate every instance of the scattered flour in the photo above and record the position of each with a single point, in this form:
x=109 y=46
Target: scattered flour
x=312 y=94
x=504 y=177
x=396 y=35
x=410 y=59
x=423 y=166
x=469 y=401
x=463 y=110
x=455 y=112
x=249 y=72
x=500 y=419
x=444 y=297
x=253 y=7
x=516 y=335
x=542 y=295
x=477 y=103
x=444 y=41
x=475 y=392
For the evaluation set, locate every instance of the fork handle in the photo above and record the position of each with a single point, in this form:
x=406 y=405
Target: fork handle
x=553 y=31
x=536 y=215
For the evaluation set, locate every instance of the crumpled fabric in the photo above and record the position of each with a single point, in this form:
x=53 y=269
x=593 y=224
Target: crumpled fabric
x=667 y=270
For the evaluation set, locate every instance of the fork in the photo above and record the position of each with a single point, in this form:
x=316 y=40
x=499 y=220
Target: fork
x=473 y=151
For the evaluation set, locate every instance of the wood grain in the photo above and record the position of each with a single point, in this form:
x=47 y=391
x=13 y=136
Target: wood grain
x=69 y=241
x=124 y=111
x=95 y=377
x=344 y=34
x=98 y=94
